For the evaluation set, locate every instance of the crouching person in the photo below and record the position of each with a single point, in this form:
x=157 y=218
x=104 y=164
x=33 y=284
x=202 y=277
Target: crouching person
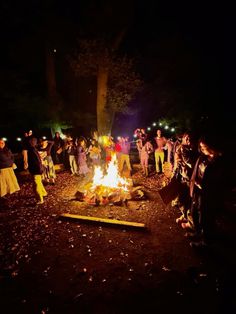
x=35 y=168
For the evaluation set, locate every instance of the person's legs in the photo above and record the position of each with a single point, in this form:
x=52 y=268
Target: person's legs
x=162 y=155
x=127 y=161
x=71 y=161
x=74 y=165
x=157 y=161
x=122 y=161
x=39 y=188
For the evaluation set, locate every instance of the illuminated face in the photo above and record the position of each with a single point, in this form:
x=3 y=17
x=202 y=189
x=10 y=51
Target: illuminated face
x=2 y=144
x=186 y=140
x=206 y=150
x=159 y=133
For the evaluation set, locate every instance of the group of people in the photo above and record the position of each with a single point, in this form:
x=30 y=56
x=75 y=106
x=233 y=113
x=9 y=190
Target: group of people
x=197 y=170
x=39 y=158
x=158 y=146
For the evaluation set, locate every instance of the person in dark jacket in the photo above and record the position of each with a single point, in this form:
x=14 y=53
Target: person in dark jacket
x=72 y=153
x=35 y=167
x=8 y=180
x=206 y=190
x=58 y=149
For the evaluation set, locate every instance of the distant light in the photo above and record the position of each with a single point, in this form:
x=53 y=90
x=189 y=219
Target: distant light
x=148 y=128
x=135 y=135
x=44 y=137
x=54 y=50
x=154 y=124
x=118 y=138
x=5 y=139
x=160 y=124
x=166 y=127
x=172 y=129
x=18 y=139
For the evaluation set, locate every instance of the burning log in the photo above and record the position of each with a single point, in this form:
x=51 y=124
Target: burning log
x=109 y=188
x=137 y=193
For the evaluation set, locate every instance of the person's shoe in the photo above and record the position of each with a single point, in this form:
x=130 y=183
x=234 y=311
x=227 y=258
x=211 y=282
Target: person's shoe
x=192 y=235
x=40 y=202
x=186 y=225
x=198 y=244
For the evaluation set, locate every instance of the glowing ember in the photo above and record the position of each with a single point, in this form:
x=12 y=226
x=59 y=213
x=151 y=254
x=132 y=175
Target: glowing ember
x=109 y=188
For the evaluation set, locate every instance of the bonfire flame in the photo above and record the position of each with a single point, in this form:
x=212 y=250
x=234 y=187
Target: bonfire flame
x=112 y=179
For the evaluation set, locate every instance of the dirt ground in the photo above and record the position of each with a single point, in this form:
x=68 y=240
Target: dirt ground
x=49 y=264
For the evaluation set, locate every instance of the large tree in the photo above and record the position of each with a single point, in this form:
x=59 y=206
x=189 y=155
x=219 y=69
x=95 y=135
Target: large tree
x=117 y=82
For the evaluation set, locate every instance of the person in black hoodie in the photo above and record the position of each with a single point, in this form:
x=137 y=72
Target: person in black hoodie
x=35 y=167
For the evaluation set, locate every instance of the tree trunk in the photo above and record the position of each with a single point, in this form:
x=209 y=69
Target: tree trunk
x=53 y=96
x=103 y=115
x=51 y=78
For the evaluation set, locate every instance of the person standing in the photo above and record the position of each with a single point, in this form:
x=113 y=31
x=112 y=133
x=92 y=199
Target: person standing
x=72 y=153
x=49 y=174
x=207 y=191
x=146 y=150
x=36 y=169
x=95 y=153
x=159 y=151
x=58 y=152
x=82 y=158
x=8 y=180
x=124 y=154
x=185 y=159
x=25 y=145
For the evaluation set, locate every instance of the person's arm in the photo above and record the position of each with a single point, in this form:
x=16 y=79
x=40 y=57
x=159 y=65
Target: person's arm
x=186 y=157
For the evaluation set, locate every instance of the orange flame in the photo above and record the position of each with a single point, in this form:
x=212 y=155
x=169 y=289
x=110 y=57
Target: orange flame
x=111 y=179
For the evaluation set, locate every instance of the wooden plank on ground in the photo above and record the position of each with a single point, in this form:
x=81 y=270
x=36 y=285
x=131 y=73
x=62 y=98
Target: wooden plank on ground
x=105 y=220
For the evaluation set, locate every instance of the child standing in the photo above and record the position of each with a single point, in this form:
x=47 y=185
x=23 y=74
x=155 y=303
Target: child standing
x=146 y=150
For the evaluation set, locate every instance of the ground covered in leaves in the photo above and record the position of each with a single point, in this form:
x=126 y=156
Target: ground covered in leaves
x=49 y=264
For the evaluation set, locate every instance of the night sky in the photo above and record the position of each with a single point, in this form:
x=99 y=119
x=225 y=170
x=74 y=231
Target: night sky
x=179 y=48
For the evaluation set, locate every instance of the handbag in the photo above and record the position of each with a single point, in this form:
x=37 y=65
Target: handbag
x=170 y=191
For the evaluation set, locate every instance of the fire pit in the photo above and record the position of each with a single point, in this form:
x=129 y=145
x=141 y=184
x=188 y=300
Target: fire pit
x=108 y=187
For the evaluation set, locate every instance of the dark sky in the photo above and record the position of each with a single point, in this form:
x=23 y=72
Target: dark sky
x=182 y=34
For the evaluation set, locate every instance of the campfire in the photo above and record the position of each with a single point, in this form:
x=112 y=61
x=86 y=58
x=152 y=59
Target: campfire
x=109 y=187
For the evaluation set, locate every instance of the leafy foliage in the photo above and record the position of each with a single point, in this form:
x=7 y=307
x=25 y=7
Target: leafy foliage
x=123 y=82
